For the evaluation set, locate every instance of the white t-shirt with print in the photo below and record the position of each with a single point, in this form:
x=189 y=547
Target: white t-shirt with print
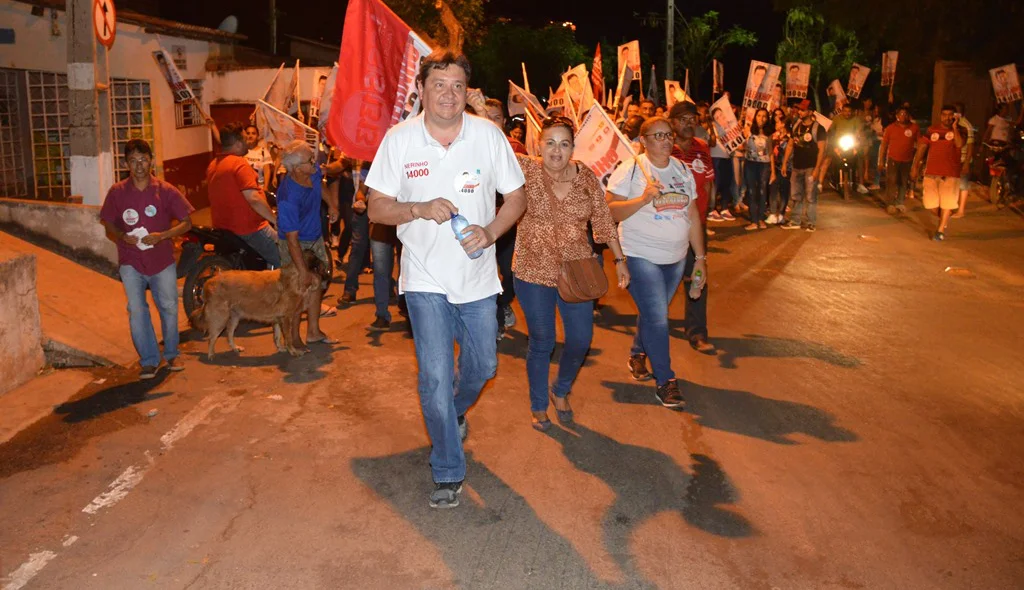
x=1000 y=128
x=258 y=157
x=413 y=167
x=660 y=230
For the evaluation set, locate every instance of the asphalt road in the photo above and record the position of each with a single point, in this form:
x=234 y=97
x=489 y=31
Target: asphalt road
x=859 y=427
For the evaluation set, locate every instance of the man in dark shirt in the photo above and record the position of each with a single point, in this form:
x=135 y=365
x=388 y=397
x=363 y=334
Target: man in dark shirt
x=805 y=156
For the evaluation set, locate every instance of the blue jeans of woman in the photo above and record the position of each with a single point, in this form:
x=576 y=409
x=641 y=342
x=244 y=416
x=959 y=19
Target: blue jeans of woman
x=446 y=392
x=725 y=183
x=652 y=287
x=539 y=303
x=756 y=175
x=164 y=286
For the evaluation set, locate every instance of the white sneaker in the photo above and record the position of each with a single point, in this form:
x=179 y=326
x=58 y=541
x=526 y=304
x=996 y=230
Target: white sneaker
x=862 y=189
x=771 y=218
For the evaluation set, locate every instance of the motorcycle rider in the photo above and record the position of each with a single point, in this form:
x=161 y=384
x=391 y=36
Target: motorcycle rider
x=847 y=124
x=237 y=202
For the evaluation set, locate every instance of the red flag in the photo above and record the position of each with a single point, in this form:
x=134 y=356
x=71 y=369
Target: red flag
x=597 y=73
x=376 y=87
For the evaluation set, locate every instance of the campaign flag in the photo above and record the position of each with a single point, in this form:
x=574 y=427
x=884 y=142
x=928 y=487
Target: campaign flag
x=376 y=89
x=730 y=133
x=622 y=88
x=525 y=102
x=578 y=91
x=276 y=94
x=652 y=88
x=762 y=79
x=629 y=56
x=556 y=102
x=324 y=104
x=822 y=120
x=597 y=74
x=179 y=88
x=280 y=128
x=797 y=76
x=686 y=83
x=674 y=93
x=294 y=95
x=319 y=85
x=836 y=96
x=600 y=145
x=1005 y=83
x=532 y=134
x=858 y=75
x=717 y=77
x=889 y=59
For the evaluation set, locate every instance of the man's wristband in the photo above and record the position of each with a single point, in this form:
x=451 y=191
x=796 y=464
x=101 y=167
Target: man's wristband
x=618 y=260
x=702 y=257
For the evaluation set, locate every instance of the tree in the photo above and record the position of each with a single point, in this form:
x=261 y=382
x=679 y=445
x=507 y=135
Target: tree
x=547 y=53
x=699 y=40
x=830 y=50
x=425 y=16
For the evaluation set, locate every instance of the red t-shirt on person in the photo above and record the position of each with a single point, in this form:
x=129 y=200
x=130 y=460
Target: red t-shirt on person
x=227 y=176
x=698 y=159
x=127 y=208
x=943 y=154
x=902 y=141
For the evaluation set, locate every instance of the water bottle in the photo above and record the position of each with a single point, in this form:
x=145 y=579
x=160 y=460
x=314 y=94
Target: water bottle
x=460 y=223
x=696 y=283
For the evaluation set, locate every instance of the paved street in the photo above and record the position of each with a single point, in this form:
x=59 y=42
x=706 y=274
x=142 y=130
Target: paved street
x=859 y=427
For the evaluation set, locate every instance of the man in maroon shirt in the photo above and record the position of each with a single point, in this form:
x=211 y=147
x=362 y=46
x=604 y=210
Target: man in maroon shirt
x=694 y=152
x=895 y=155
x=141 y=214
x=941 y=186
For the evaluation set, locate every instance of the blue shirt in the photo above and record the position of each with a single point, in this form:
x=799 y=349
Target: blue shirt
x=298 y=208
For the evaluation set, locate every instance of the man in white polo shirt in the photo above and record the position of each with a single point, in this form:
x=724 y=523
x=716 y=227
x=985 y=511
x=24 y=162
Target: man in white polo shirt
x=428 y=168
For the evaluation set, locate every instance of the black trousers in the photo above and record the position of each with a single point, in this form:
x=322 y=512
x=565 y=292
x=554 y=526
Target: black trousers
x=696 y=322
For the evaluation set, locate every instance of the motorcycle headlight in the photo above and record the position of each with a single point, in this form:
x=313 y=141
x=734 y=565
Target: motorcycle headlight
x=847 y=142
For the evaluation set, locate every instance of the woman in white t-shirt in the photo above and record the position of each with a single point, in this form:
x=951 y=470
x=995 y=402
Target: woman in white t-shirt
x=652 y=197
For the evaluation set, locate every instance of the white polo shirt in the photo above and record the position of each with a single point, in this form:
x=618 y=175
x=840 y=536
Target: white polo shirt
x=413 y=167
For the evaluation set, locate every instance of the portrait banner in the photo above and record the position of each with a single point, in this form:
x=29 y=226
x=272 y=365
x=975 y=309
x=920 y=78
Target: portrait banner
x=600 y=145
x=858 y=76
x=1005 y=83
x=797 y=77
x=761 y=88
x=889 y=59
x=629 y=56
x=730 y=133
x=179 y=88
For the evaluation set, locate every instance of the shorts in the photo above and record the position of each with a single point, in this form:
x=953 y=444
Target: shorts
x=941 y=192
x=965 y=182
x=315 y=246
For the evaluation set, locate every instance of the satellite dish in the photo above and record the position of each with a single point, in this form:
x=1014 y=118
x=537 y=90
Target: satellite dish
x=229 y=24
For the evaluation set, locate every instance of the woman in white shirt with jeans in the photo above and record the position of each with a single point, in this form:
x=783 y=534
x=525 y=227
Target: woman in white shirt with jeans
x=653 y=198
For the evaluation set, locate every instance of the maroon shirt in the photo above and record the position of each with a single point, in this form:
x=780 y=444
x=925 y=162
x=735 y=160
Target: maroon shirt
x=127 y=208
x=698 y=159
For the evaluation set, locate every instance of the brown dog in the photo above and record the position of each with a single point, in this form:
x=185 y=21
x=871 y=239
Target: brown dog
x=269 y=296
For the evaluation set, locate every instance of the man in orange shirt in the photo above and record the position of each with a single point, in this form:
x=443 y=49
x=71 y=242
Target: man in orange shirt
x=942 y=143
x=899 y=143
x=237 y=202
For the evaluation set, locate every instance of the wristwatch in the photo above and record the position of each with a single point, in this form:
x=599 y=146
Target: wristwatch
x=704 y=257
x=618 y=260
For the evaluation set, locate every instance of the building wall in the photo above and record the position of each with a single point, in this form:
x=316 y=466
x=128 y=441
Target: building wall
x=21 y=349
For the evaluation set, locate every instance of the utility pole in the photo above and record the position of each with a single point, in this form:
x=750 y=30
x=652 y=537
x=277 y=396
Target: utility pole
x=670 y=42
x=273 y=27
x=89 y=135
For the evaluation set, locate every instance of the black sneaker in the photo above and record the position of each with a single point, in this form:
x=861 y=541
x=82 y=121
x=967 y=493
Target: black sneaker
x=637 y=364
x=445 y=494
x=669 y=395
x=147 y=372
x=379 y=325
x=463 y=428
x=346 y=299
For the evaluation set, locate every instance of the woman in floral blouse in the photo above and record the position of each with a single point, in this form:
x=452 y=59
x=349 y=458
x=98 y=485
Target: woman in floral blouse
x=562 y=196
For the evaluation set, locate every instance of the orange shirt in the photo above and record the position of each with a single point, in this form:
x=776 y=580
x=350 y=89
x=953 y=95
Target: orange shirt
x=226 y=178
x=902 y=141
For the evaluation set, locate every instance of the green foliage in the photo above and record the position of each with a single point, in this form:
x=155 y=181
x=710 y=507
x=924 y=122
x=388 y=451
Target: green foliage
x=547 y=52
x=425 y=18
x=699 y=40
x=830 y=50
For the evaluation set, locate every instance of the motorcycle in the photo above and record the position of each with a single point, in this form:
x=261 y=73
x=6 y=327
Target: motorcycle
x=847 y=147
x=1004 y=172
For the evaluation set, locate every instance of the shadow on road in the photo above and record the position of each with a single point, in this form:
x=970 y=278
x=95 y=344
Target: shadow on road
x=516 y=344
x=302 y=369
x=485 y=544
x=111 y=399
x=755 y=345
x=647 y=482
x=742 y=412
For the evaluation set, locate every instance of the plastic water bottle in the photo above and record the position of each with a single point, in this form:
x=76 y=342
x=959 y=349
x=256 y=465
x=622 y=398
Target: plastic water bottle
x=459 y=224
x=696 y=284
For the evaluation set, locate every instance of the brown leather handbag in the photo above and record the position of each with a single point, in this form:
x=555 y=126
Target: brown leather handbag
x=582 y=280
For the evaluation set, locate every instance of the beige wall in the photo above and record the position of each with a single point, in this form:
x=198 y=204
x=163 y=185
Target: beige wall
x=21 y=350
x=76 y=226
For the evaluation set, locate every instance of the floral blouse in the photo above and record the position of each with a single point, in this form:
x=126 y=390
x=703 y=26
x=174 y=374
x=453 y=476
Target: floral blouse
x=547 y=237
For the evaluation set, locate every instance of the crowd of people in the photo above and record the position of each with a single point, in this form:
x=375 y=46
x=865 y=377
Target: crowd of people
x=528 y=216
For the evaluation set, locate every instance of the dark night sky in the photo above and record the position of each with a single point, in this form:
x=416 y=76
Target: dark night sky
x=323 y=19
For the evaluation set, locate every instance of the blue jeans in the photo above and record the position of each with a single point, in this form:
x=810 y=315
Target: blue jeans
x=264 y=241
x=652 y=287
x=756 y=175
x=383 y=254
x=446 y=392
x=778 y=194
x=164 y=286
x=356 y=257
x=725 y=183
x=539 y=302
x=804 y=196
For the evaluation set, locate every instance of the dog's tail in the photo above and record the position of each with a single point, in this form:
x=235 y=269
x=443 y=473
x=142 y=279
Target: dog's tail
x=198 y=319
